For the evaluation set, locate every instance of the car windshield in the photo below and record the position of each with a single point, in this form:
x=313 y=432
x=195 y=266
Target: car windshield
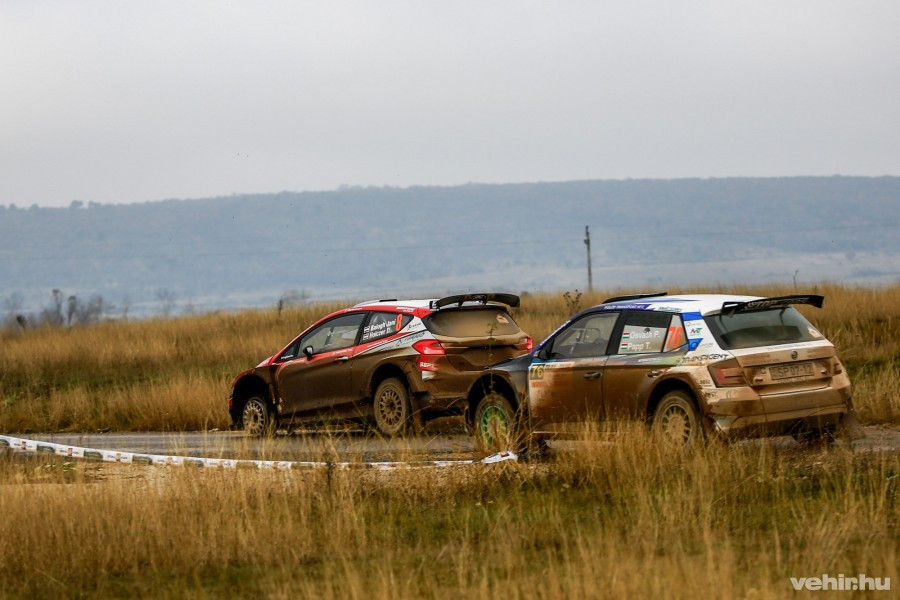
x=761 y=328
x=477 y=322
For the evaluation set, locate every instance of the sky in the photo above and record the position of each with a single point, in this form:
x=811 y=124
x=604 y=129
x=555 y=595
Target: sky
x=117 y=102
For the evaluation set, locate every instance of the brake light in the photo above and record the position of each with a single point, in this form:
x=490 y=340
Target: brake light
x=429 y=347
x=527 y=342
x=836 y=367
x=426 y=349
x=728 y=374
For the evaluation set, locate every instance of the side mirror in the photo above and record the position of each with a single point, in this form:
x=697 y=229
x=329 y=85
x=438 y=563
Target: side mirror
x=308 y=351
x=542 y=354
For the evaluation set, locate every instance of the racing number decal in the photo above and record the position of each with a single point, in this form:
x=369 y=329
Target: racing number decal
x=536 y=372
x=399 y=325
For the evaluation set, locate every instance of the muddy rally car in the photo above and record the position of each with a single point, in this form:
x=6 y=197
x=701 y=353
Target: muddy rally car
x=691 y=365
x=391 y=363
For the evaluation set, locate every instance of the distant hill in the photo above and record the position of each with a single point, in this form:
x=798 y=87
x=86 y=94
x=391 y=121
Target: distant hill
x=248 y=250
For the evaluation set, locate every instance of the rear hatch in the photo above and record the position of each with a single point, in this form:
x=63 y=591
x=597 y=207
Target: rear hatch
x=477 y=337
x=779 y=353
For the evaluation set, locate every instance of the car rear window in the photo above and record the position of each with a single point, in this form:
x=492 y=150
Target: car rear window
x=471 y=322
x=761 y=328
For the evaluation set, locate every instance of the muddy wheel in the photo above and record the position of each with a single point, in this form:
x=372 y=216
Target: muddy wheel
x=391 y=407
x=495 y=424
x=257 y=418
x=677 y=420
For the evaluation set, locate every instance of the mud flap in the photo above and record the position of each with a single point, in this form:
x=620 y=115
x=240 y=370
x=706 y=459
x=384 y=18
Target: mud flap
x=416 y=418
x=849 y=428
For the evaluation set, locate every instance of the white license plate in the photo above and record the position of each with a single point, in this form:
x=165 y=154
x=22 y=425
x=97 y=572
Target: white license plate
x=791 y=371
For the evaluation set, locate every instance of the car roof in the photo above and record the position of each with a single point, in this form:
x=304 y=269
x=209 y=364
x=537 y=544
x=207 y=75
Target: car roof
x=704 y=304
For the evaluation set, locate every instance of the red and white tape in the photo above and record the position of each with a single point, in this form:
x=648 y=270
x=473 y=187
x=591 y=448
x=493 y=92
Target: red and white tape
x=139 y=458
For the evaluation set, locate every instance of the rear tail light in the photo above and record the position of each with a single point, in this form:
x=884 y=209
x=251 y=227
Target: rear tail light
x=836 y=367
x=526 y=344
x=728 y=374
x=426 y=350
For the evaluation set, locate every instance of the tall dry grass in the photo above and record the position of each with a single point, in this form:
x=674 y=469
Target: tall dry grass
x=175 y=374
x=626 y=519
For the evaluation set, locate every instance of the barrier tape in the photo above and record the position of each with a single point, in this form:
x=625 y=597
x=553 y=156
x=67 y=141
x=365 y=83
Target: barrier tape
x=138 y=458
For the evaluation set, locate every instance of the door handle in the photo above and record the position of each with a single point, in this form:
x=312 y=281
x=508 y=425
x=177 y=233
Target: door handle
x=342 y=359
x=593 y=375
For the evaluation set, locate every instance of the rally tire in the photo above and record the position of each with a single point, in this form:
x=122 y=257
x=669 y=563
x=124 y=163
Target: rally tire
x=257 y=417
x=677 y=420
x=391 y=408
x=495 y=424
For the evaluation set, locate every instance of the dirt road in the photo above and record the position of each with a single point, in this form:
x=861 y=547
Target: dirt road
x=354 y=445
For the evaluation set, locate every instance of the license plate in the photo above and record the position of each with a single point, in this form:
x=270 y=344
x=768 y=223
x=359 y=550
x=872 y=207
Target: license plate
x=791 y=371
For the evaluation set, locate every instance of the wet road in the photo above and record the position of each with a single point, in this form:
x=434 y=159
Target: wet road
x=350 y=445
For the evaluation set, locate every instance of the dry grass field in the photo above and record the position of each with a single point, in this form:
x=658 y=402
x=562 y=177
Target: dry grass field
x=627 y=519
x=175 y=374
x=622 y=516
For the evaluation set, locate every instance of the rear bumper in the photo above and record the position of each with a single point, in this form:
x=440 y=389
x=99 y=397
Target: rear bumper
x=782 y=423
x=781 y=414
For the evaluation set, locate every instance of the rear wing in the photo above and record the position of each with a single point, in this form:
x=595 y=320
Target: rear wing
x=634 y=297
x=730 y=308
x=511 y=300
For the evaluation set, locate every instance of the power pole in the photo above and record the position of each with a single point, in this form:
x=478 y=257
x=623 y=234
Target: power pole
x=587 y=242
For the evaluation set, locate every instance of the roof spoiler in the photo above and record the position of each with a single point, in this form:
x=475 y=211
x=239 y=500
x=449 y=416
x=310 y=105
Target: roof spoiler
x=511 y=300
x=730 y=308
x=634 y=297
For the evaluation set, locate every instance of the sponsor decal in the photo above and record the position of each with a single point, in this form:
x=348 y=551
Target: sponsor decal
x=626 y=307
x=694 y=343
x=393 y=344
x=702 y=358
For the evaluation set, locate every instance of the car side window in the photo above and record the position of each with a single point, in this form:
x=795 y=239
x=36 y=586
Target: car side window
x=677 y=337
x=587 y=337
x=383 y=324
x=336 y=334
x=649 y=331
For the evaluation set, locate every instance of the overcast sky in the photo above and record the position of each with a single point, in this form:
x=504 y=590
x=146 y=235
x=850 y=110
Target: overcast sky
x=117 y=101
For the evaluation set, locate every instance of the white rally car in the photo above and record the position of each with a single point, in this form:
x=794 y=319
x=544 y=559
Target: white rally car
x=688 y=364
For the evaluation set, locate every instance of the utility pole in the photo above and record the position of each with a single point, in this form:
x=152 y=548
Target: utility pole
x=587 y=242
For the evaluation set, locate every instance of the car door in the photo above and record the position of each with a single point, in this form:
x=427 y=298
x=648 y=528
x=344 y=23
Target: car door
x=645 y=345
x=565 y=382
x=321 y=381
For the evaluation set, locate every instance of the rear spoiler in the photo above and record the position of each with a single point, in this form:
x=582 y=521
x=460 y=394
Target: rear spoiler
x=730 y=308
x=511 y=300
x=634 y=297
